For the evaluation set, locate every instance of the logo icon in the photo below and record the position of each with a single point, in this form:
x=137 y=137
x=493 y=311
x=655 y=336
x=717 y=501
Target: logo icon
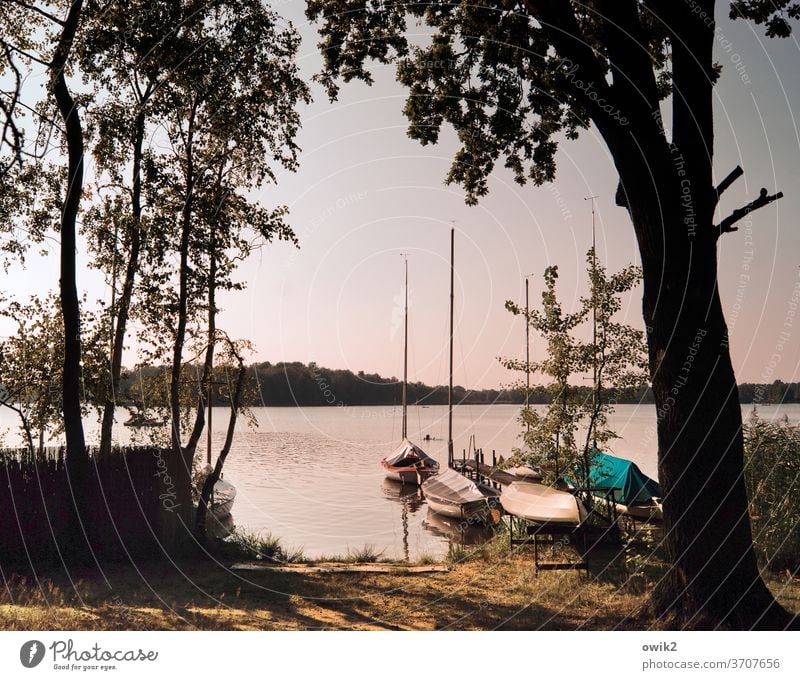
x=31 y=653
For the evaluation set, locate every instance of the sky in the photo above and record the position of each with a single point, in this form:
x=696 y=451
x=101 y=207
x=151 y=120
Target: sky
x=365 y=194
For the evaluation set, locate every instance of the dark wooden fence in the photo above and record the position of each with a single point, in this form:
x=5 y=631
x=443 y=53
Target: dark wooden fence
x=124 y=507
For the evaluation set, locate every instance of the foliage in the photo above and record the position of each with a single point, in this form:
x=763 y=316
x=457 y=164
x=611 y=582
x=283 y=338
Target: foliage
x=32 y=365
x=774 y=14
x=772 y=475
x=488 y=70
x=617 y=360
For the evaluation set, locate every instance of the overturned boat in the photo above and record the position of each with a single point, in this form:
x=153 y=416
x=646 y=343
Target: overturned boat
x=453 y=495
x=634 y=493
x=543 y=504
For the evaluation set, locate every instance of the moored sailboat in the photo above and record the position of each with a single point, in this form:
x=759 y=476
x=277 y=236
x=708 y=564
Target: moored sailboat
x=450 y=493
x=409 y=464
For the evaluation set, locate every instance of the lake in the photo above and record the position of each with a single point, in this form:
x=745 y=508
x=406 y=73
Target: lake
x=312 y=476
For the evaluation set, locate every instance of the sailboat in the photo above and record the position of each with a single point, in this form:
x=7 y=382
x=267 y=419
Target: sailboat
x=450 y=493
x=408 y=464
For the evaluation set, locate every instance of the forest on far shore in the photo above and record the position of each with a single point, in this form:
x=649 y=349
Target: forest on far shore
x=298 y=384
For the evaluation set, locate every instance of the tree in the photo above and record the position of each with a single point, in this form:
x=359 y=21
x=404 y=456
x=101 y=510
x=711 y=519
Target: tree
x=616 y=361
x=125 y=48
x=39 y=27
x=227 y=123
x=32 y=365
x=513 y=78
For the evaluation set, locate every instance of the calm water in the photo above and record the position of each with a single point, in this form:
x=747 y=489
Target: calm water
x=312 y=476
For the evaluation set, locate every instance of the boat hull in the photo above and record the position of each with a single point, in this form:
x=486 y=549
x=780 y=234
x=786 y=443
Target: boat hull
x=542 y=504
x=409 y=475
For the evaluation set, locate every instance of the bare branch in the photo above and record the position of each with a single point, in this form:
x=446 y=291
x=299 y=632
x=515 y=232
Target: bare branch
x=734 y=174
x=763 y=199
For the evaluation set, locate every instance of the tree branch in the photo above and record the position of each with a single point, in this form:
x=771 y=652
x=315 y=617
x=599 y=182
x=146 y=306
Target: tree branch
x=734 y=174
x=41 y=12
x=763 y=199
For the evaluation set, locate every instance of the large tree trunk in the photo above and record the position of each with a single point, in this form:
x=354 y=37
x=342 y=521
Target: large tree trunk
x=667 y=186
x=713 y=579
x=77 y=457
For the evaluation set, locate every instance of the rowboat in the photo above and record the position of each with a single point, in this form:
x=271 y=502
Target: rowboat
x=409 y=464
x=453 y=495
x=542 y=504
x=141 y=420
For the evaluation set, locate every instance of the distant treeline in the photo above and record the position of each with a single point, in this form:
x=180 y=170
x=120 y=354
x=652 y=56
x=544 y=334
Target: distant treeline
x=298 y=384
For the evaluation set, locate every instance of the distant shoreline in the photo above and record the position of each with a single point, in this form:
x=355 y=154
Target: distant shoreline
x=297 y=384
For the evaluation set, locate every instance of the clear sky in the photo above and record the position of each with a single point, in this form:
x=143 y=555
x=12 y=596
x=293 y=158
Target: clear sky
x=365 y=193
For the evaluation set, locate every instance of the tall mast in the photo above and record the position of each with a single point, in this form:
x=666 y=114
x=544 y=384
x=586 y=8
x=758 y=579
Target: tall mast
x=405 y=355
x=527 y=345
x=594 y=316
x=450 y=384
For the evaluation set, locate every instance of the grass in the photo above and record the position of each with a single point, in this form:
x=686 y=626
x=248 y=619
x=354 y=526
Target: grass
x=492 y=588
x=249 y=545
x=367 y=554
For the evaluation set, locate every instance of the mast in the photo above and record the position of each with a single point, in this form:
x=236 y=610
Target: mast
x=405 y=356
x=527 y=347
x=594 y=318
x=450 y=384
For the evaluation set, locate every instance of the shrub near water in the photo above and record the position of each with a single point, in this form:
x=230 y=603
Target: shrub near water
x=772 y=475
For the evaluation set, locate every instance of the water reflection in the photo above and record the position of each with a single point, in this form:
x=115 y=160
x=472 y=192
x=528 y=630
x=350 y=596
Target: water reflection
x=456 y=530
x=410 y=498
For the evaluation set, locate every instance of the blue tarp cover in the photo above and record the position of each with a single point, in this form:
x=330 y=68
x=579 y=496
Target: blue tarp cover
x=630 y=484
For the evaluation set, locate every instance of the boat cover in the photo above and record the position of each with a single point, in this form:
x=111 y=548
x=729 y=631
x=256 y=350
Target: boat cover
x=629 y=483
x=408 y=455
x=453 y=487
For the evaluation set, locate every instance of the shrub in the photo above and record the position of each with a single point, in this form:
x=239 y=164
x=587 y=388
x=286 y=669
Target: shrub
x=772 y=476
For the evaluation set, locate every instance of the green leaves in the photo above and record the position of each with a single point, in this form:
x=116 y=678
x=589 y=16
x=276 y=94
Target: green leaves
x=617 y=360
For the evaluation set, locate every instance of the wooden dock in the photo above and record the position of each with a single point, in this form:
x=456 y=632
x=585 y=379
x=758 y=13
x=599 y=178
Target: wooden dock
x=485 y=473
x=477 y=469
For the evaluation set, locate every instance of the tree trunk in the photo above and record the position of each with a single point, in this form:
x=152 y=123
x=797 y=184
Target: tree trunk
x=182 y=456
x=77 y=457
x=213 y=478
x=124 y=304
x=713 y=580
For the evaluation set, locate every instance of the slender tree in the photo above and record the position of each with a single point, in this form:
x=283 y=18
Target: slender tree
x=513 y=77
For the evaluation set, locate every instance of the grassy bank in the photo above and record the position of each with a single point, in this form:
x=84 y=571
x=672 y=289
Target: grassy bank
x=487 y=590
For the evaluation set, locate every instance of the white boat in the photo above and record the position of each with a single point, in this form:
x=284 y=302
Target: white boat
x=222 y=498
x=542 y=504
x=453 y=495
x=526 y=473
x=644 y=511
x=409 y=464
